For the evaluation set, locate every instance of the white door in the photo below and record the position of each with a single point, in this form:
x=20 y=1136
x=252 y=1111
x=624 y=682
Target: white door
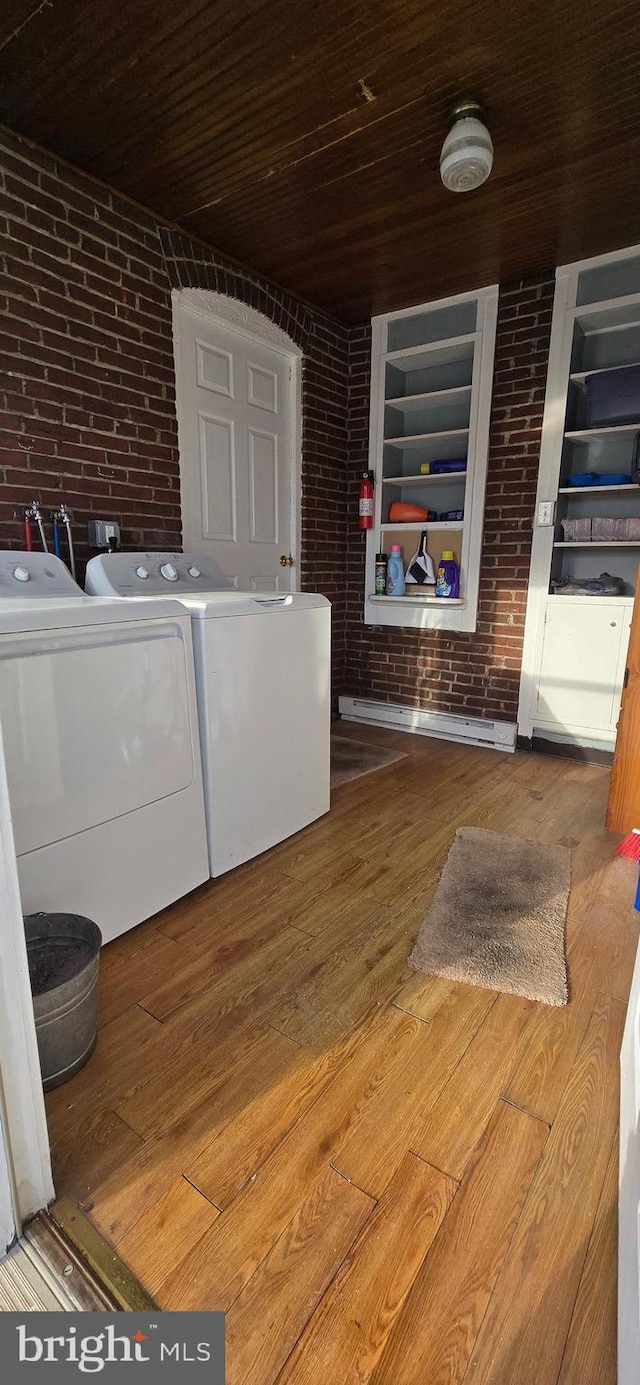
x=236 y=404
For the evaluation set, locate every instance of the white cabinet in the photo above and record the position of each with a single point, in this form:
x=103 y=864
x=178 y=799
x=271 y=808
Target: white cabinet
x=582 y=661
x=575 y=646
x=431 y=378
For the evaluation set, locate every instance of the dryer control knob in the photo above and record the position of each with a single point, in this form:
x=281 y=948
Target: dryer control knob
x=21 y=574
x=194 y=572
x=142 y=572
x=168 y=572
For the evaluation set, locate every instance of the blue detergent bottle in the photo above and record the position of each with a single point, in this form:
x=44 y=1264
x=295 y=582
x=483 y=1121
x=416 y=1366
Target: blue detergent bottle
x=448 y=575
x=395 y=572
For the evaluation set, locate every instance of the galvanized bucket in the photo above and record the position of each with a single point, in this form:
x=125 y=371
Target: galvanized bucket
x=64 y=954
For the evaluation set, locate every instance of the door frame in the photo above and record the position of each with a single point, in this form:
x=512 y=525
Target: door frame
x=231 y=314
x=24 y=1134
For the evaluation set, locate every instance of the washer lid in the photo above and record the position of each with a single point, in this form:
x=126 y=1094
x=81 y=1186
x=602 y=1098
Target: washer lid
x=230 y=603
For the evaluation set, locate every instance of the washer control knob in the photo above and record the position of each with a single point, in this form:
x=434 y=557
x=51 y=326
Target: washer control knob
x=168 y=572
x=194 y=572
x=21 y=574
x=142 y=572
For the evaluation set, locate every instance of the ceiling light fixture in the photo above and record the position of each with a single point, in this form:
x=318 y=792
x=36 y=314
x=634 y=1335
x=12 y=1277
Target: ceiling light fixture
x=466 y=158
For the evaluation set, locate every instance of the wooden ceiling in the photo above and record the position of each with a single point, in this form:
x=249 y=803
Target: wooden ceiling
x=302 y=136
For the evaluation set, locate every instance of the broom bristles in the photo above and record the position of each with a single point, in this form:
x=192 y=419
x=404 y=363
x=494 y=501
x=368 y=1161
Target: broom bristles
x=630 y=847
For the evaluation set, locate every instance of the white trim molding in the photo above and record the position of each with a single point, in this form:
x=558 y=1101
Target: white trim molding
x=236 y=314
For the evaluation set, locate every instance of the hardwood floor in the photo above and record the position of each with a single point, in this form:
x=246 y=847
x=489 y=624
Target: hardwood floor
x=383 y=1178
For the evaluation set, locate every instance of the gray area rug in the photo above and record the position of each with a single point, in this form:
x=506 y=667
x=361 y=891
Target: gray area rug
x=498 y=915
x=351 y=759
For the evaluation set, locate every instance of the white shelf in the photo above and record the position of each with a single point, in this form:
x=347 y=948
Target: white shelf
x=600 y=543
x=579 y=597
x=408 y=402
x=422 y=357
x=618 y=430
x=598 y=490
x=419 y=439
x=578 y=377
x=418 y=527
x=424 y=599
x=608 y=314
x=420 y=480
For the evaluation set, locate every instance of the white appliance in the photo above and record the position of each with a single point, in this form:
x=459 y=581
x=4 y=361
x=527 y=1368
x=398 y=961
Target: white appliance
x=263 y=670
x=99 y=718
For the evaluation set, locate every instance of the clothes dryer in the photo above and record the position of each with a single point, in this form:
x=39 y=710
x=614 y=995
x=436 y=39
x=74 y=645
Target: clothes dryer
x=99 y=723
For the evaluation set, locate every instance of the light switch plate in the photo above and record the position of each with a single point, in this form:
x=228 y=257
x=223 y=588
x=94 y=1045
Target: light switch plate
x=545 y=513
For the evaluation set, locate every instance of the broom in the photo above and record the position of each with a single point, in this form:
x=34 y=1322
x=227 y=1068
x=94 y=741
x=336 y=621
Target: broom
x=630 y=847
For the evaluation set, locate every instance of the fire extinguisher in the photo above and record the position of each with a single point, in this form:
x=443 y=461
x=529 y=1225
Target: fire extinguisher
x=365 y=501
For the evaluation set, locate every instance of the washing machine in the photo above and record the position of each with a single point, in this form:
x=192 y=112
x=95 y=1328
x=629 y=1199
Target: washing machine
x=263 y=677
x=99 y=723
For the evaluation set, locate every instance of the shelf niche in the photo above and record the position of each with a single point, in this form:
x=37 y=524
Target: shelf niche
x=431 y=376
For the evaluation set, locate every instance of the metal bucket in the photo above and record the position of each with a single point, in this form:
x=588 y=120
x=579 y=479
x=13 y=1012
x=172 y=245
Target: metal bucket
x=64 y=954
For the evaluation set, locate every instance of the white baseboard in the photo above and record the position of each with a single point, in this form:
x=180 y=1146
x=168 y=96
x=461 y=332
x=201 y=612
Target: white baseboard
x=501 y=735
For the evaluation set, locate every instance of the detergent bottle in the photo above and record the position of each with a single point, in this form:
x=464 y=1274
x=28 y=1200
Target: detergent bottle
x=395 y=572
x=448 y=575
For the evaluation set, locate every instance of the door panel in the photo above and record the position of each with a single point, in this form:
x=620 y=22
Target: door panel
x=217 y=478
x=263 y=486
x=623 y=808
x=262 y=388
x=236 y=406
x=215 y=369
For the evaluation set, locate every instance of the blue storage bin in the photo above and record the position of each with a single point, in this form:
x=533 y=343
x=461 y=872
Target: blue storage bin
x=613 y=396
x=600 y=478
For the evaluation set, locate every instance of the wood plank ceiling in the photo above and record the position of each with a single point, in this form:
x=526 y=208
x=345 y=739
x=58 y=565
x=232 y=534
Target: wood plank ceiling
x=303 y=138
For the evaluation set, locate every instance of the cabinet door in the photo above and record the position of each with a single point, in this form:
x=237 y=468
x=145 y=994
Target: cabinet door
x=581 y=650
x=623 y=808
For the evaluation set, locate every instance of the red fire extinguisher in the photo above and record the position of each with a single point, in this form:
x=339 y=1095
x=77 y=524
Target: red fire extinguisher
x=365 y=501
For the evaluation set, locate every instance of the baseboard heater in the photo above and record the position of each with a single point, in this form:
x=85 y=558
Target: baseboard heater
x=471 y=730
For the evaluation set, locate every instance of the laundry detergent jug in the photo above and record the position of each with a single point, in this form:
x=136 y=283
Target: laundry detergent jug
x=448 y=575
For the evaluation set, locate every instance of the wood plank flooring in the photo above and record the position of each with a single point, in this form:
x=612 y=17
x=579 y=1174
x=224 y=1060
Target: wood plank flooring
x=383 y=1178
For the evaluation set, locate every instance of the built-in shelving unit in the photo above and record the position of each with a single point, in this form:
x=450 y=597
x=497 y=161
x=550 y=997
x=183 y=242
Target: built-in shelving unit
x=575 y=645
x=431 y=379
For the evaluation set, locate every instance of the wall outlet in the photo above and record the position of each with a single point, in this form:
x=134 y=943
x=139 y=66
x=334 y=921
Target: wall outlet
x=546 y=514
x=104 y=533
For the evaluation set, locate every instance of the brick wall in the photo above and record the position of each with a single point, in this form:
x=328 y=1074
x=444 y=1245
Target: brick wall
x=88 y=416
x=88 y=399
x=477 y=673
x=88 y=391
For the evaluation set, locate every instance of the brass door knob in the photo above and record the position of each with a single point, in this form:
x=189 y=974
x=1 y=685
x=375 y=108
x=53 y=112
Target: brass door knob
x=285 y=561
